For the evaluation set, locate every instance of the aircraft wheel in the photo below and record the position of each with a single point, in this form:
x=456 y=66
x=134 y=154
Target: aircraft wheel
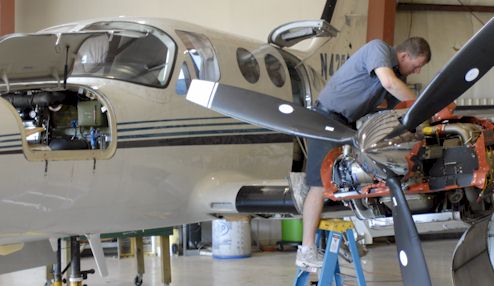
x=138 y=280
x=279 y=246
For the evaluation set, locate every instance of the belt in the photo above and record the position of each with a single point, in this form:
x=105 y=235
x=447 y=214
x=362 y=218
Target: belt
x=340 y=117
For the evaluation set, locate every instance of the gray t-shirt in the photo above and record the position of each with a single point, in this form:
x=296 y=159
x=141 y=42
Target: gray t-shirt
x=355 y=90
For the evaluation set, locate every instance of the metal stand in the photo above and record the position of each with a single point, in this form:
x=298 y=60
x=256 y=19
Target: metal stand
x=333 y=229
x=57 y=268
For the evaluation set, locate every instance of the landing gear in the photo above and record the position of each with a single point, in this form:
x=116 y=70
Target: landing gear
x=75 y=250
x=76 y=276
x=138 y=280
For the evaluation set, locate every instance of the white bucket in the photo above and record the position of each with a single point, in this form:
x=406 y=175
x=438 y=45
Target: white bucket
x=231 y=238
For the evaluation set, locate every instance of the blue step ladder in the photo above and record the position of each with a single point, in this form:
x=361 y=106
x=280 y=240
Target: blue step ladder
x=333 y=229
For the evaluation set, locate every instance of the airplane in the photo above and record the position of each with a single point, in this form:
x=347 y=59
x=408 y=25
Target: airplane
x=99 y=137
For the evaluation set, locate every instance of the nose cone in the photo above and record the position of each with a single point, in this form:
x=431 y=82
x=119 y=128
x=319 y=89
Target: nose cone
x=372 y=141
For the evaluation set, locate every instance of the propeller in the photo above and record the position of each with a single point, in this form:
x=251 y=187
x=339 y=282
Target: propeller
x=469 y=64
x=267 y=111
x=413 y=266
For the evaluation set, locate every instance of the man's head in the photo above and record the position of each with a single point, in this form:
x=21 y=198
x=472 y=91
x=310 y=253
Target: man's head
x=412 y=55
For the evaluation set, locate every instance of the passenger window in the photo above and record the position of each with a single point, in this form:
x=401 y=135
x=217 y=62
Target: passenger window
x=275 y=70
x=183 y=81
x=202 y=54
x=249 y=67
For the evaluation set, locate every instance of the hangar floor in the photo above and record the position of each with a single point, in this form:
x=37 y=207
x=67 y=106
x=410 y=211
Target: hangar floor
x=267 y=268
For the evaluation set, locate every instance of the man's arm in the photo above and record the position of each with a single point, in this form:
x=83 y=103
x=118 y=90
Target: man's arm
x=393 y=84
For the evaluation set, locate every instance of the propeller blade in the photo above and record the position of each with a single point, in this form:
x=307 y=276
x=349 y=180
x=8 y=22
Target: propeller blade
x=469 y=64
x=410 y=254
x=267 y=111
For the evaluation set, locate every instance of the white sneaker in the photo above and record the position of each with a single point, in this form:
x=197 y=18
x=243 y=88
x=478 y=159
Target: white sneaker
x=308 y=257
x=296 y=181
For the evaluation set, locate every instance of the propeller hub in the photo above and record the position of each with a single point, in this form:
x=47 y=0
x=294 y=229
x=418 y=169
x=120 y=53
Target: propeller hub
x=391 y=152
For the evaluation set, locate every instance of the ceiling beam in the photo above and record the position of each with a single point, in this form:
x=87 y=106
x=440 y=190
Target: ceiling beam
x=381 y=20
x=7 y=16
x=449 y=8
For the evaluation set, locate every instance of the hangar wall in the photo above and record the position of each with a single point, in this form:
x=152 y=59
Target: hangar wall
x=254 y=18
x=446 y=32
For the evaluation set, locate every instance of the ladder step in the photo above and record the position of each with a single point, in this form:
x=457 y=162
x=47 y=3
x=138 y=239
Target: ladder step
x=309 y=269
x=330 y=270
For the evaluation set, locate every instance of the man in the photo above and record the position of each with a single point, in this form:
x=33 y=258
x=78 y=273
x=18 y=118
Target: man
x=370 y=75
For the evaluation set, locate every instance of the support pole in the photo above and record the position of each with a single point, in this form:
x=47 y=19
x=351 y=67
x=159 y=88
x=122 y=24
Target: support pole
x=166 y=269
x=7 y=17
x=66 y=258
x=57 y=268
x=139 y=247
x=75 y=276
x=381 y=20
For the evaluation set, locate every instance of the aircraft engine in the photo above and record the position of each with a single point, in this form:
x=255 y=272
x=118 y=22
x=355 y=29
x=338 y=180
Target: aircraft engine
x=62 y=119
x=347 y=172
x=351 y=180
x=448 y=164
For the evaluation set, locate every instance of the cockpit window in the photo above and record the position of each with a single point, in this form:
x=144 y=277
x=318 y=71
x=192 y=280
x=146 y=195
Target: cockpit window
x=202 y=54
x=129 y=51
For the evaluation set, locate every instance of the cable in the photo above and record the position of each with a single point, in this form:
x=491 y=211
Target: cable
x=411 y=21
x=471 y=12
x=302 y=147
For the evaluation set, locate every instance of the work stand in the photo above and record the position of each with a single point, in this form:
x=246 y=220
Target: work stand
x=333 y=231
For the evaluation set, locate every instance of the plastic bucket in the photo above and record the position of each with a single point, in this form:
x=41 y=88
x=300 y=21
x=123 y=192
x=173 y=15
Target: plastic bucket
x=231 y=238
x=291 y=230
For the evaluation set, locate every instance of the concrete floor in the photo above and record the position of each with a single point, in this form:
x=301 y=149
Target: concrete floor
x=266 y=268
